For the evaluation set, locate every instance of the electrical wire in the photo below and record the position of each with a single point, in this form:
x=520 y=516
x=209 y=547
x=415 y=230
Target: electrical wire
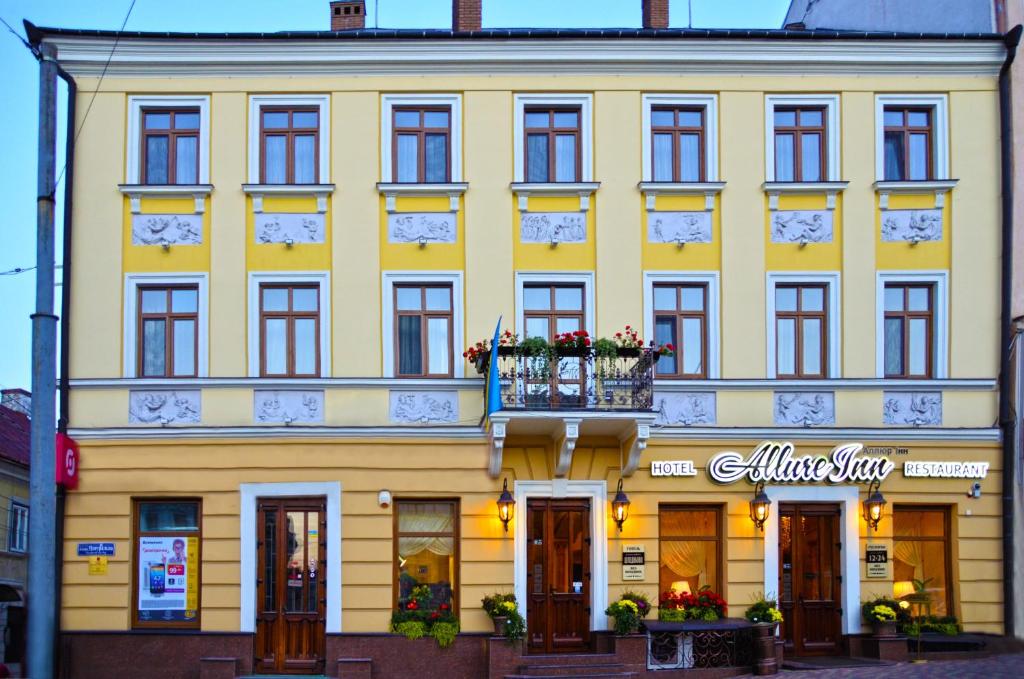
x=17 y=270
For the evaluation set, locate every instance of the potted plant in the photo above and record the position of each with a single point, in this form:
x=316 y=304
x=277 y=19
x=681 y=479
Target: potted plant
x=575 y=343
x=764 y=612
x=626 y=614
x=628 y=342
x=704 y=605
x=504 y=613
x=643 y=604
x=416 y=618
x=882 y=617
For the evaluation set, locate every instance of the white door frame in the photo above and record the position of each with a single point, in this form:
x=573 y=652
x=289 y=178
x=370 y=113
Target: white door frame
x=597 y=493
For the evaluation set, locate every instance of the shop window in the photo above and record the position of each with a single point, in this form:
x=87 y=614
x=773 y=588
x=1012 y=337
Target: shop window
x=689 y=547
x=421 y=145
x=423 y=325
x=921 y=557
x=166 y=546
x=427 y=550
x=17 y=528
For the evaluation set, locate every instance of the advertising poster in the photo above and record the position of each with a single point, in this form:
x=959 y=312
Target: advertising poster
x=167 y=584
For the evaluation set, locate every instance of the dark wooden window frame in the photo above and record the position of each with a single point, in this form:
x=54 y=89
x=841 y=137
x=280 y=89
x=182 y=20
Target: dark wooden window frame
x=905 y=131
x=290 y=317
x=797 y=131
x=421 y=133
x=168 y=317
x=17 y=539
x=425 y=315
x=906 y=315
x=718 y=539
x=799 y=316
x=552 y=132
x=679 y=315
x=677 y=131
x=947 y=539
x=456 y=541
x=553 y=312
x=172 y=147
x=133 y=559
x=289 y=133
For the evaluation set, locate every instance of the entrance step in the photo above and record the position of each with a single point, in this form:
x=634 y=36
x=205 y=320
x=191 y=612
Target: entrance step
x=283 y=676
x=568 y=659
x=598 y=669
x=575 y=675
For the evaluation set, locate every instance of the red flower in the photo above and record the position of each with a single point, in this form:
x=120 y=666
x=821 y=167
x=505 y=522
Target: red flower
x=435 y=615
x=412 y=605
x=587 y=341
x=443 y=607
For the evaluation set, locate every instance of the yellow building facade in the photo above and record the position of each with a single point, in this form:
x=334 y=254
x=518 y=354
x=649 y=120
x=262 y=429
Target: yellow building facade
x=278 y=332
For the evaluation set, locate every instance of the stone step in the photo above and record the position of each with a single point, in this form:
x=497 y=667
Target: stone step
x=568 y=659
x=601 y=669
x=588 y=675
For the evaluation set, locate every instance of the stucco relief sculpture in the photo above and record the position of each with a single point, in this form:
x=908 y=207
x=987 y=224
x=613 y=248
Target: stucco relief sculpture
x=163 y=407
x=545 y=227
x=167 y=229
x=915 y=409
x=424 y=407
x=679 y=227
x=685 y=409
x=802 y=226
x=281 y=227
x=411 y=227
x=804 y=409
x=286 y=407
x=911 y=225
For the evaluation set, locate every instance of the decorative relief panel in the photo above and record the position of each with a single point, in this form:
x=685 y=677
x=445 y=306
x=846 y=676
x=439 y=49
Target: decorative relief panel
x=914 y=409
x=804 y=408
x=679 y=227
x=544 y=227
x=163 y=407
x=410 y=227
x=686 y=409
x=424 y=407
x=911 y=225
x=167 y=229
x=277 y=227
x=794 y=226
x=286 y=407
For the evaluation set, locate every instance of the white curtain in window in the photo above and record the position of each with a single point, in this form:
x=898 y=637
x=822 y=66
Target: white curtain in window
x=688 y=558
x=305 y=159
x=424 y=522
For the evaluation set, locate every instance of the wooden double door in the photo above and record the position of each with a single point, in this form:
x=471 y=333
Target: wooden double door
x=558 y=575
x=810 y=578
x=291 y=585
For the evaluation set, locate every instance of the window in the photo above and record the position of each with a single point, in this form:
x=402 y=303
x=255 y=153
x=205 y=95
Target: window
x=801 y=339
x=552 y=144
x=909 y=313
x=17 y=528
x=165 y=584
x=680 y=319
x=288 y=140
x=422 y=144
x=908 y=132
x=168 y=337
x=170 y=145
x=921 y=553
x=427 y=550
x=550 y=310
x=423 y=320
x=690 y=547
x=289 y=330
x=799 y=143
x=677 y=144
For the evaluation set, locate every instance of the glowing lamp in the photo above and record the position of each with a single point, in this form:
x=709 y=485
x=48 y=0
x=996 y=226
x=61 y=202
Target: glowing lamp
x=760 y=506
x=873 y=505
x=620 y=506
x=506 y=505
x=681 y=587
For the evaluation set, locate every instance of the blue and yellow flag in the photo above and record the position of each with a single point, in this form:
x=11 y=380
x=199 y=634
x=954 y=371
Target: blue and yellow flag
x=493 y=383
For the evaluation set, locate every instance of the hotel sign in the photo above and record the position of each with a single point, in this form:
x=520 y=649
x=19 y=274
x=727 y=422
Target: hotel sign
x=877 y=561
x=946 y=470
x=773 y=462
x=633 y=562
x=673 y=468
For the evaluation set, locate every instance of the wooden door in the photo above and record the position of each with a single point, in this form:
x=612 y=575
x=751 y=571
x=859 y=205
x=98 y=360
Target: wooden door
x=291 y=585
x=558 y=577
x=810 y=578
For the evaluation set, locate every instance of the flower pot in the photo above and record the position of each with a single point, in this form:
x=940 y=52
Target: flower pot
x=574 y=352
x=764 y=648
x=499 y=625
x=886 y=628
x=506 y=351
x=482 y=362
x=627 y=352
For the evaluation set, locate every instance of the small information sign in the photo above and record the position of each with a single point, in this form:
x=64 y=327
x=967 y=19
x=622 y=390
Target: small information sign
x=95 y=549
x=97 y=565
x=877 y=560
x=633 y=560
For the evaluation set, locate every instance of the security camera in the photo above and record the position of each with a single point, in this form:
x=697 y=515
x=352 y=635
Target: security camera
x=384 y=499
x=975 y=491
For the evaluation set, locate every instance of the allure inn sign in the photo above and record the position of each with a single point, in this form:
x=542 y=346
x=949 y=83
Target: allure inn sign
x=773 y=462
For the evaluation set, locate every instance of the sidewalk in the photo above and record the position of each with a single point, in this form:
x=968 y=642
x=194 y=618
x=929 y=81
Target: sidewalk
x=1009 y=666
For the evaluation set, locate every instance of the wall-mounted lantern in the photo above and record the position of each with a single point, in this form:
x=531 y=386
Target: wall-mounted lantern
x=506 y=505
x=873 y=505
x=760 y=506
x=620 y=506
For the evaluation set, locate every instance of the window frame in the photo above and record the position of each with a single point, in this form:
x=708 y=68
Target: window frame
x=169 y=317
x=553 y=313
x=719 y=538
x=552 y=132
x=676 y=131
x=289 y=133
x=947 y=539
x=709 y=139
x=906 y=130
x=255 y=334
x=584 y=278
x=456 y=540
x=833 y=353
x=323 y=146
x=797 y=131
x=421 y=132
x=17 y=540
x=389 y=329
x=134 y=167
x=425 y=315
x=584 y=146
x=939 y=280
x=906 y=316
x=712 y=314
x=830 y=158
x=290 y=316
x=390 y=102
x=939 y=142
x=133 y=560
x=132 y=308
x=799 y=315
x=172 y=137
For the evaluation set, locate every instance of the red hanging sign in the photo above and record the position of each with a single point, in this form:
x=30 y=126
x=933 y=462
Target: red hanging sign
x=67 y=462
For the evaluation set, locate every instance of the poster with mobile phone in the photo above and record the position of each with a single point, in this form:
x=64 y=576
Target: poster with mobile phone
x=168 y=590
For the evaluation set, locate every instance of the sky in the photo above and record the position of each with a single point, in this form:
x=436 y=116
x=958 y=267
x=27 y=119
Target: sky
x=19 y=80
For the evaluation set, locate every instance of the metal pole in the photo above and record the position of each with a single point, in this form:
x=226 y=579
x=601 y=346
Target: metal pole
x=42 y=476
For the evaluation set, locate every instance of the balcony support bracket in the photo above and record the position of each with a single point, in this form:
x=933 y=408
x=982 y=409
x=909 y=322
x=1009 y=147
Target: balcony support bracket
x=633 y=446
x=496 y=436
x=565 y=442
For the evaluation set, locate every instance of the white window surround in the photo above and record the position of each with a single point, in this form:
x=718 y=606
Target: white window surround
x=133 y=170
x=322 y=279
x=597 y=492
x=388 y=281
x=712 y=313
x=321 y=101
x=17 y=511
x=830 y=102
x=249 y=493
x=132 y=282
x=585 y=104
x=388 y=104
x=939 y=104
x=831 y=280
x=709 y=102
x=584 y=278
x=849 y=524
x=940 y=325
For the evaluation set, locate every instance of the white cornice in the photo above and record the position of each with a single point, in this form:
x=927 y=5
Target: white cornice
x=840 y=384
x=86 y=56
x=474 y=384
x=294 y=432
x=452 y=191
x=825 y=434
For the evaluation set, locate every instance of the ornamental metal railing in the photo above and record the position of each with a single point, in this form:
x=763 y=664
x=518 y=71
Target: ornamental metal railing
x=696 y=645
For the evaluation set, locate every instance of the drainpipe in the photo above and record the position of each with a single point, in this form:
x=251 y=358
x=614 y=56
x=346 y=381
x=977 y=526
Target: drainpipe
x=1006 y=418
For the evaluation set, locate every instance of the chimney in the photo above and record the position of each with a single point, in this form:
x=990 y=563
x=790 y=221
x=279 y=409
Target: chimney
x=348 y=15
x=467 y=15
x=655 y=13
x=17 y=400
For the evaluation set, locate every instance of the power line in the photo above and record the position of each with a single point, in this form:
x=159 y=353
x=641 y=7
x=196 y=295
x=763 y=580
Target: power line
x=16 y=270
x=18 y=36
